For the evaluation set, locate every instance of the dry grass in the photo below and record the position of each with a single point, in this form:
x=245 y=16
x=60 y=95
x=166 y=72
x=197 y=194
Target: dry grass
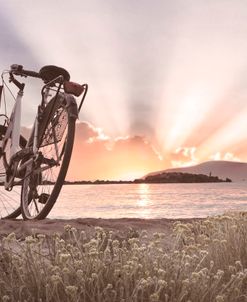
x=207 y=263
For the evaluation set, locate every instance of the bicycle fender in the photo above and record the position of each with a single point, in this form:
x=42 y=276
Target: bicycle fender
x=69 y=102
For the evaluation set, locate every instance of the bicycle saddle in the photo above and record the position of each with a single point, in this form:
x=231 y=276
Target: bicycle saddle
x=50 y=72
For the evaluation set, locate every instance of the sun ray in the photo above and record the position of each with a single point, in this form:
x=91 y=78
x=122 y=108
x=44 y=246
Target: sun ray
x=173 y=73
x=223 y=139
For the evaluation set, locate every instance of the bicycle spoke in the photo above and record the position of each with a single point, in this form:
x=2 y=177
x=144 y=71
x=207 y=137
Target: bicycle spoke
x=9 y=201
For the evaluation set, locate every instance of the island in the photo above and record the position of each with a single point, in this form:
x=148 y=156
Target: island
x=179 y=177
x=165 y=177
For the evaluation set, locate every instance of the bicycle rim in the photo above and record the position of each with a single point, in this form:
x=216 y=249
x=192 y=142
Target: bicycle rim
x=43 y=182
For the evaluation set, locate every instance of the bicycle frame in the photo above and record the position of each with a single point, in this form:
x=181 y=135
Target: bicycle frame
x=13 y=134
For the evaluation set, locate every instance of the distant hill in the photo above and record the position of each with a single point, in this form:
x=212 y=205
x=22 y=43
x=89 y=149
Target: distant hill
x=236 y=171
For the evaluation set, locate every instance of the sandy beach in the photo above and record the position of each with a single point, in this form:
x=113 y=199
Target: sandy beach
x=121 y=227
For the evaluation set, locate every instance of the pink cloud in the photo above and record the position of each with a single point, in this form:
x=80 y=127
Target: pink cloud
x=224 y=156
x=184 y=156
x=98 y=156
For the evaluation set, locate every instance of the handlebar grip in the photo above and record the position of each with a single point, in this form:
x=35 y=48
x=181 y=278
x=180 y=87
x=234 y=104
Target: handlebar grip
x=31 y=73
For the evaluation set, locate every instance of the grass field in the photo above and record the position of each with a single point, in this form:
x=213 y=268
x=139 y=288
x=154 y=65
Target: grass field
x=207 y=261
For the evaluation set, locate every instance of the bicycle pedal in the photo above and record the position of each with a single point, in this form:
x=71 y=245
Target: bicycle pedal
x=43 y=198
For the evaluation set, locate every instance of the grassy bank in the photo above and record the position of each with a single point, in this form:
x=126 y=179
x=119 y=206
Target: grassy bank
x=207 y=262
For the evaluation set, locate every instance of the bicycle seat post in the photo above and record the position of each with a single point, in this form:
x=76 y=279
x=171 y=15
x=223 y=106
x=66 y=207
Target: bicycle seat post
x=46 y=95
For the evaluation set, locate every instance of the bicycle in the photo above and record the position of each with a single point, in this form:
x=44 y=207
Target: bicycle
x=36 y=167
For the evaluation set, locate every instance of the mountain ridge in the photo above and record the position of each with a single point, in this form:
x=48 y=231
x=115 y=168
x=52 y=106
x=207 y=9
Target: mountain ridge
x=236 y=171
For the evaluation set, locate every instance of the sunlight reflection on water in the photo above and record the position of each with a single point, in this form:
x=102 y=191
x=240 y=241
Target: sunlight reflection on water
x=150 y=200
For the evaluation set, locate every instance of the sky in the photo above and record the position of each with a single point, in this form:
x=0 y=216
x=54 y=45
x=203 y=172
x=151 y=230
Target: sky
x=167 y=79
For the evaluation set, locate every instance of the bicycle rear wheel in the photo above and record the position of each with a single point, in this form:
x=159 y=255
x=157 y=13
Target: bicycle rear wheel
x=45 y=175
x=9 y=200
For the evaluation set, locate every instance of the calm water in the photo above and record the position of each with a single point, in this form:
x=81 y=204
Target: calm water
x=150 y=200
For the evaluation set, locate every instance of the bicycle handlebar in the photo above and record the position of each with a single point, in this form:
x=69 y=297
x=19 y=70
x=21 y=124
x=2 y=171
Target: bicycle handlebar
x=18 y=70
x=31 y=73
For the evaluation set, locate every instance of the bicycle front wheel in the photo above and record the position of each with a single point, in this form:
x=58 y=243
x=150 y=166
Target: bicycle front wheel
x=45 y=175
x=9 y=200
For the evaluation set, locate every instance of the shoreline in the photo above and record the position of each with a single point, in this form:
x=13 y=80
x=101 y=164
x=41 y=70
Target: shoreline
x=120 y=226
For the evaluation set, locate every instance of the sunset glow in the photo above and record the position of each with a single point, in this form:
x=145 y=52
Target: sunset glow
x=166 y=89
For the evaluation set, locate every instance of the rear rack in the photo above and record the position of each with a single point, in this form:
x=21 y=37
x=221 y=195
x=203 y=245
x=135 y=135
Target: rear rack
x=85 y=86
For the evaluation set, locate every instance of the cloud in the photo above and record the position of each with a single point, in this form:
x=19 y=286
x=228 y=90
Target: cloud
x=184 y=156
x=98 y=156
x=88 y=133
x=224 y=156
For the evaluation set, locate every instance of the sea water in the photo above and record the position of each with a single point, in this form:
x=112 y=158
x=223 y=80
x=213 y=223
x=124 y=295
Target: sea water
x=150 y=200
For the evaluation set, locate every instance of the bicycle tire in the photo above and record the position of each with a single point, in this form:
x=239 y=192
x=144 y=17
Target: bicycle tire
x=35 y=202
x=9 y=201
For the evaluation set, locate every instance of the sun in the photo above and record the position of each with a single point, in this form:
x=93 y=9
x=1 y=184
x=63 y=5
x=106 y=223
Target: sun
x=131 y=175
